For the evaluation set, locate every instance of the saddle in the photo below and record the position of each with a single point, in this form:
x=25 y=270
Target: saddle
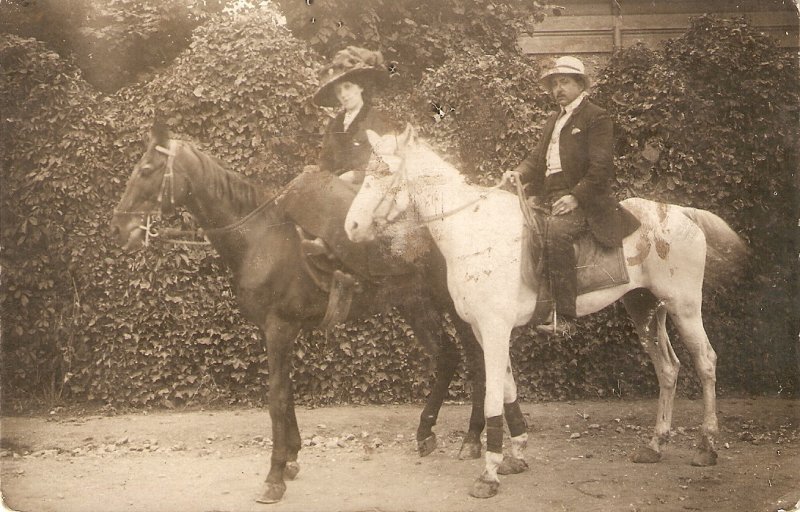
x=317 y=202
x=597 y=266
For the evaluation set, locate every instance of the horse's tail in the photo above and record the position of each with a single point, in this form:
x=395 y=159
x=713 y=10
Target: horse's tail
x=727 y=255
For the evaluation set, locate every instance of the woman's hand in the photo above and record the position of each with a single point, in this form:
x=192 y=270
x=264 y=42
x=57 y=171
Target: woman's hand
x=564 y=205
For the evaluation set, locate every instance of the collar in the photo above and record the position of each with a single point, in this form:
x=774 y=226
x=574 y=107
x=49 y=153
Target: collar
x=354 y=122
x=569 y=109
x=354 y=114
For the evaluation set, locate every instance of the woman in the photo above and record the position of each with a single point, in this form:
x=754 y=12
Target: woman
x=349 y=82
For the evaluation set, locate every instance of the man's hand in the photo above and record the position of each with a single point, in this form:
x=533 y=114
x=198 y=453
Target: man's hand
x=509 y=181
x=565 y=205
x=511 y=176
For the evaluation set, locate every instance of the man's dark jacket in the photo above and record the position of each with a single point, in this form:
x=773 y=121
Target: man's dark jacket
x=586 y=150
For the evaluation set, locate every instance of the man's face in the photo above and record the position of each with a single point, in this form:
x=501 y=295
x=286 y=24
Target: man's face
x=565 y=88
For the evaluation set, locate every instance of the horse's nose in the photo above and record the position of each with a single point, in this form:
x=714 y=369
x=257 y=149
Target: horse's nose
x=353 y=225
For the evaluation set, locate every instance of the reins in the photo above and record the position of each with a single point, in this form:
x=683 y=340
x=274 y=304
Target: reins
x=152 y=215
x=402 y=176
x=426 y=219
x=239 y=223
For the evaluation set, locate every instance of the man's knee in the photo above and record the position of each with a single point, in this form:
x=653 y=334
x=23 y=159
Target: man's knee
x=559 y=234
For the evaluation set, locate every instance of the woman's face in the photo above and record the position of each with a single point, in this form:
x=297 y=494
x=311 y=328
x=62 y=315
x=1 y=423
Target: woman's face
x=349 y=95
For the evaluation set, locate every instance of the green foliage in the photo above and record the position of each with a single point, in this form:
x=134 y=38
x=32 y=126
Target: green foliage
x=415 y=36
x=121 y=39
x=711 y=121
x=162 y=327
x=242 y=89
x=483 y=110
x=54 y=148
x=113 y=41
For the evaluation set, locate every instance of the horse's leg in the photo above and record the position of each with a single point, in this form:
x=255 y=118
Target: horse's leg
x=688 y=320
x=650 y=318
x=428 y=329
x=518 y=428
x=471 y=445
x=494 y=338
x=293 y=441
x=279 y=336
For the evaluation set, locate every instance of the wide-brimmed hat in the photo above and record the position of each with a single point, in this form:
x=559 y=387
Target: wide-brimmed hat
x=564 y=66
x=353 y=64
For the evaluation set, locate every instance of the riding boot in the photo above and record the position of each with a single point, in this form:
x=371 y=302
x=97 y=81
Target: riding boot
x=565 y=283
x=562 y=231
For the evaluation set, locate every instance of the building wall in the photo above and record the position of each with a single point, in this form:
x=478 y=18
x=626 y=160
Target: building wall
x=598 y=26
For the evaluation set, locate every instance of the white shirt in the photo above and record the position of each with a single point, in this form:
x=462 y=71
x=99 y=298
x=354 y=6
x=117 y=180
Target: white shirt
x=553 y=155
x=349 y=116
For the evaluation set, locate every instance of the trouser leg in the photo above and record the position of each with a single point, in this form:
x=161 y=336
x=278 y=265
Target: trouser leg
x=562 y=231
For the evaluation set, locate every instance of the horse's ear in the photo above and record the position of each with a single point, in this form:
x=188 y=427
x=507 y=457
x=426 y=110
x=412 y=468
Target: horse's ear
x=408 y=136
x=159 y=132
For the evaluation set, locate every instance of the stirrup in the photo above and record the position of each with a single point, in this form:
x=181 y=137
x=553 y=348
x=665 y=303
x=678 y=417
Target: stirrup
x=339 y=300
x=564 y=327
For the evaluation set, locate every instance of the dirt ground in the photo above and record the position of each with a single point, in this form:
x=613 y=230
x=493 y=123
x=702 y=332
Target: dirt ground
x=364 y=459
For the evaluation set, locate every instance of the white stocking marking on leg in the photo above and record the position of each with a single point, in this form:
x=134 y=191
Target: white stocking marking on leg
x=518 y=445
x=493 y=460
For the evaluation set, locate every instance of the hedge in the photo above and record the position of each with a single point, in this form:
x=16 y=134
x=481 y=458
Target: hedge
x=83 y=321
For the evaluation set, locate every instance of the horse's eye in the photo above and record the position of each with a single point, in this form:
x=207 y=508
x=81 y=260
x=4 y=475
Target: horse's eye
x=145 y=169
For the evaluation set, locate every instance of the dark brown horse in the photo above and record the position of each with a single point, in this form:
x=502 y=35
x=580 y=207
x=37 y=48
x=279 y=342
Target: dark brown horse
x=261 y=246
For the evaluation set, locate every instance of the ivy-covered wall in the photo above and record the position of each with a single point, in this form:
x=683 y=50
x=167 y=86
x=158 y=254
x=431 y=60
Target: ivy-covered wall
x=710 y=122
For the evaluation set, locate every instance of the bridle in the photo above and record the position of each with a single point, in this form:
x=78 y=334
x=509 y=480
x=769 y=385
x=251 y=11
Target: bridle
x=397 y=181
x=531 y=212
x=168 y=190
x=400 y=179
x=167 y=180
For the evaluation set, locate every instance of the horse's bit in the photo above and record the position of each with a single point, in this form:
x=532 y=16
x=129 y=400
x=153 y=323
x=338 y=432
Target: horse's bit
x=169 y=177
x=169 y=180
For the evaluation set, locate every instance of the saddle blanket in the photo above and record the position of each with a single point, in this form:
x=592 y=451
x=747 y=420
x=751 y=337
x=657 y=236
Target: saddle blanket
x=598 y=267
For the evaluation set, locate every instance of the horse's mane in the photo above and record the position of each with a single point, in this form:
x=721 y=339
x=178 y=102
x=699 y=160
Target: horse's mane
x=427 y=159
x=242 y=194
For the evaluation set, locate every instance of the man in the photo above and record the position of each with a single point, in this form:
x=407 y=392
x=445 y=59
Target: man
x=571 y=171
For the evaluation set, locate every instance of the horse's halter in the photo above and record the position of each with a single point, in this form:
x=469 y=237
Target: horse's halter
x=400 y=180
x=168 y=179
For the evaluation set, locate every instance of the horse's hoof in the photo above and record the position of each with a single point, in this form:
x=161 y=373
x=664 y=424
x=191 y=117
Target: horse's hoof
x=427 y=445
x=291 y=470
x=273 y=493
x=484 y=488
x=645 y=455
x=705 y=458
x=511 y=466
x=469 y=450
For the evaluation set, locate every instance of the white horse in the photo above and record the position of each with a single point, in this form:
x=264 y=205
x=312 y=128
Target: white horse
x=480 y=233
